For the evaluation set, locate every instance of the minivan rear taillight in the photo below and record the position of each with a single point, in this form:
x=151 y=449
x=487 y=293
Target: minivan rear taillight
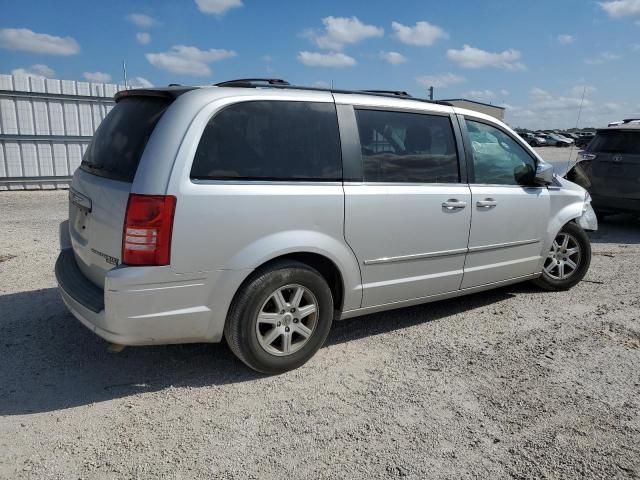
x=146 y=239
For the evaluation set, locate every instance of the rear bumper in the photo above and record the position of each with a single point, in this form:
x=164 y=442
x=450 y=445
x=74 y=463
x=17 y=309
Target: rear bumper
x=148 y=305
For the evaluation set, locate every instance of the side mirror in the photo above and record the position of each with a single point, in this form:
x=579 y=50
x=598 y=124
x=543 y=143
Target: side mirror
x=544 y=174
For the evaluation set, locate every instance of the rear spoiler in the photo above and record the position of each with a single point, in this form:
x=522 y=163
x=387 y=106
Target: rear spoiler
x=168 y=93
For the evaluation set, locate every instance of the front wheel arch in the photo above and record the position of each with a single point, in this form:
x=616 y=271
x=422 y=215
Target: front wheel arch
x=575 y=239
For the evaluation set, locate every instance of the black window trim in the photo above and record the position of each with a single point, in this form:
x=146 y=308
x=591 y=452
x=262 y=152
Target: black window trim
x=469 y=150
x=197 y=180
x=353 y=171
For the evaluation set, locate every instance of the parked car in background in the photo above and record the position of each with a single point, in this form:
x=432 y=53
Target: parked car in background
x=584 y=138
x=609 y=169
x=555 y=140
x=570 y=135
x=263 y=214
x=532 y=139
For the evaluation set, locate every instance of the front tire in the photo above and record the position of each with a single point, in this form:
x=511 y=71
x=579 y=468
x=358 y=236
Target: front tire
x=280 y=317
x=568 y=260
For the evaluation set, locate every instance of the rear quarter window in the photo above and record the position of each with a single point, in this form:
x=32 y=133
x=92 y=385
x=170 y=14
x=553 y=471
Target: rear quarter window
x=271 y=140
x=121 y=138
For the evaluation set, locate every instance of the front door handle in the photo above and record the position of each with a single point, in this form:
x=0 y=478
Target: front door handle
x=487 y=203
x=453 y=204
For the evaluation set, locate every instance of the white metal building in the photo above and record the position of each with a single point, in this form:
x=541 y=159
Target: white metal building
x=493 y=110
x=45 y=127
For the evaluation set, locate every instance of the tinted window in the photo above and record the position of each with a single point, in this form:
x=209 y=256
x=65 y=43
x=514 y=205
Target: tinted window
x=117 y=145
x=407 y=147
x=616 y=142
x=271 y=141
x=497 y=158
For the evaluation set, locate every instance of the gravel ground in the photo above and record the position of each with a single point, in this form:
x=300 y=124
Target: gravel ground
x=513 y=383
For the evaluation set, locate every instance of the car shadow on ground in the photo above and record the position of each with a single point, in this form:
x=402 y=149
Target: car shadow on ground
x=621 y=229
x=51 y=362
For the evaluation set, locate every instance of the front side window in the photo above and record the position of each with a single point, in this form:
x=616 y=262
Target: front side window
x=497 y=158
x=271 y=140
x=407 y=147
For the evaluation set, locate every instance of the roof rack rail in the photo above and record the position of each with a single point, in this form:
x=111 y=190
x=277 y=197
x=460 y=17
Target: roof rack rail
x=252 y=82
x=396 y=93
x=278 y=83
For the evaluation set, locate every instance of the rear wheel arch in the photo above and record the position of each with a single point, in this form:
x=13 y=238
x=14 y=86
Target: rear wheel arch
x=324 y=265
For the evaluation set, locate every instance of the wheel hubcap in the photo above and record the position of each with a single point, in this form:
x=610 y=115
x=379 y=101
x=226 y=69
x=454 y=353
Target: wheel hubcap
x=287 y=320
x=564 y=257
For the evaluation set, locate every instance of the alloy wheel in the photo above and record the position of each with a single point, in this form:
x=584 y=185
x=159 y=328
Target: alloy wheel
x=287 y=320
x=563 y=258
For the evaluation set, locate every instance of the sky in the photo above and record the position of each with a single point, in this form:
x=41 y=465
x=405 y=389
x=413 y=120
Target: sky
x=536 y=59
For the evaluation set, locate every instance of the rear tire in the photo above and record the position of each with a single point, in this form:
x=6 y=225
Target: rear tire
x=568 y=260
x=280 y=317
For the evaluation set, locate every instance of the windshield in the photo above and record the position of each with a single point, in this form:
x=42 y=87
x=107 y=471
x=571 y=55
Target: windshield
x=118 y=143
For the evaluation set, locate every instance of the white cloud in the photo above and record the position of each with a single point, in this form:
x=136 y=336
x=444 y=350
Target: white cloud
x=422 y=34
x=472 y=57
x=621 y=8
x=140 y=82
x=142 y=20
x=440 y=81
x=43 y=43
x=37 y=71
x=546 y=110
x=217 y=7
x=188 y=60
x=485 y=95
x=505 y=93
x=143 y=38
x=602 y=58
x=578 y=89
x=566 y=39
x=546 y=102
x=394 y=58
x=331 y=59
x=341 y=31
x=98 y=77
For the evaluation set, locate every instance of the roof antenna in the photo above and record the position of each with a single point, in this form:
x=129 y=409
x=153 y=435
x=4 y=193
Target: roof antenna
x=569 y=166
x=124 y=71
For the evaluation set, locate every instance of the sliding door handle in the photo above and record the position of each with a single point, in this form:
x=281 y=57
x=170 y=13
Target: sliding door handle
x=453 y=204
x=487 y=203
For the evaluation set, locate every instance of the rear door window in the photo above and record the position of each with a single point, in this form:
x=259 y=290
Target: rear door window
x=616 y=142
x=271 y=140
x=407 y=147
x=122 y=136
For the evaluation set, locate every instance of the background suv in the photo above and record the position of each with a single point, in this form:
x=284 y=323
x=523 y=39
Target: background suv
x=609 y=168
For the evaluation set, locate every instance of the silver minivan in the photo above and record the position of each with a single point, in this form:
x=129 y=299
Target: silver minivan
x=261 y=212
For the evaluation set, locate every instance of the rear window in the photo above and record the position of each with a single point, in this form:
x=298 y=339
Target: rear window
x=118 y=143
x=271 y=140
x=616 y=142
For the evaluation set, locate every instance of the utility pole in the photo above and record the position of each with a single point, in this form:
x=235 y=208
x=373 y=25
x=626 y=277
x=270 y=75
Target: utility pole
x=430 y=93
